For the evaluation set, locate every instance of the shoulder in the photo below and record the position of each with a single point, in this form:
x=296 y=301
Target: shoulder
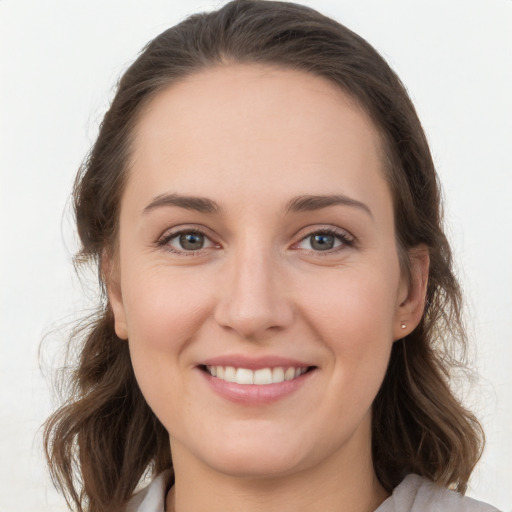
x=152 y=497
x=417 y=494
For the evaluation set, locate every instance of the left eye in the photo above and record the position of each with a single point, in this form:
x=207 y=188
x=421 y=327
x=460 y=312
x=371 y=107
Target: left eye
x=321 y=241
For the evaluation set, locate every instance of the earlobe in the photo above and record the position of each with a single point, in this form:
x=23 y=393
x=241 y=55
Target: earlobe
x=110 y=275
x=411 y=303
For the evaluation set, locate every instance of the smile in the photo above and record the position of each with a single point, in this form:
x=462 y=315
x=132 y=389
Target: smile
x=262 y=376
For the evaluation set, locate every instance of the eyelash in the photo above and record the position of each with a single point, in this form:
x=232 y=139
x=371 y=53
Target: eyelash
x=345 y=239
x=163 y=242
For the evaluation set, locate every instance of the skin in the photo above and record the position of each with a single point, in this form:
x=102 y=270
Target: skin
x=252 y=138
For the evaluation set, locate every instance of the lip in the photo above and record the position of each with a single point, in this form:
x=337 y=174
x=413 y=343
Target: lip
x=253 y=394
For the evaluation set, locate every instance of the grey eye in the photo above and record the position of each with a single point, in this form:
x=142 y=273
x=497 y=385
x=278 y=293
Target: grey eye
x=187 y=242
x=191 y=241
x=322 y=241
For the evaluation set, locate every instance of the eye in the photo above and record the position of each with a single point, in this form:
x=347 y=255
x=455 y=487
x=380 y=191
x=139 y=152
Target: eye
x=325 y=240
x=186 y=241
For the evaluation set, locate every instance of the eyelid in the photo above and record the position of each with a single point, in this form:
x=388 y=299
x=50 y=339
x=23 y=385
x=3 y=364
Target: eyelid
x=346 y=238
x=171 y=233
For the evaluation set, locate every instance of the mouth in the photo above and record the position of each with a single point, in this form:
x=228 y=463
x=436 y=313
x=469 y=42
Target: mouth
x=259 y=377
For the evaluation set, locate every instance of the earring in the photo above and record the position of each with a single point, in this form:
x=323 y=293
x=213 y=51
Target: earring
x=403 y=326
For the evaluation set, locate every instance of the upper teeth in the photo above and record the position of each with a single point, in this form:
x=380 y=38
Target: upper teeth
x=261 y=376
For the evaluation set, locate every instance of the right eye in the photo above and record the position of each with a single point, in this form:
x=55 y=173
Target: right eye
x=186 y=241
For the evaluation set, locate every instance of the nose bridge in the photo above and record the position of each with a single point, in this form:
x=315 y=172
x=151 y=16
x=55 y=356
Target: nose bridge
x=253 y=300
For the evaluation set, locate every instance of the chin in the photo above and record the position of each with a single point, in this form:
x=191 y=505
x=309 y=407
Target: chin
x=255 y=465
x=252 y=457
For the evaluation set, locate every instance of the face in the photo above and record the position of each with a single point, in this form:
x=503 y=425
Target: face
x=258 y=282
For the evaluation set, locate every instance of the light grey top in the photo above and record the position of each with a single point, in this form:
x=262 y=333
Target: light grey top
x=417 y=494
x=414 y=494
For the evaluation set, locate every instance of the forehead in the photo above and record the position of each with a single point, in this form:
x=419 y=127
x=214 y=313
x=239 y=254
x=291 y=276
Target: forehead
x=243 y=130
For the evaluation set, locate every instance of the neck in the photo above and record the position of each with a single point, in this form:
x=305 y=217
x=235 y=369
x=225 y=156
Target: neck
x=343 y=482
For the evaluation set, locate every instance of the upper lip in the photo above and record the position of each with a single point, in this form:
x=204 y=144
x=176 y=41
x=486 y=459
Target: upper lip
x=254 y=363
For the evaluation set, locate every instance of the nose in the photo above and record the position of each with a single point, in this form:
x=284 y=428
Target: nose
x=254 y=301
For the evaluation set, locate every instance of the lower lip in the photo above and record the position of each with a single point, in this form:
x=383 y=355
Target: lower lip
x=254 y=394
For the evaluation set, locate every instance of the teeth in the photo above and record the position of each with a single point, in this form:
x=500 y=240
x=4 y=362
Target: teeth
x=262 y=376
x=230 y=374
x=244 y=376
x=277 y=375
x=289 y=374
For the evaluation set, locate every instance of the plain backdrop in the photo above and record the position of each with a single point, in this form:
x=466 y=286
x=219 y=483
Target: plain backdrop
x=59 y=61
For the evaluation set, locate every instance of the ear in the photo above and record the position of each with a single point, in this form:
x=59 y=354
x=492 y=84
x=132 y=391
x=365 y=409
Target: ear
x=111 y=277
x=412 y=293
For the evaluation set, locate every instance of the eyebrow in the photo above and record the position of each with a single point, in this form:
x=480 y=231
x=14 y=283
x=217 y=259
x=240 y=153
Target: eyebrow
x=304 y=203
x=198 y=204
x=309 y=203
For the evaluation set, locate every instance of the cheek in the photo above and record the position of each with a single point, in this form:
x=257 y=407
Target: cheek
x=354 y=317
x=354 y=303
x=163 y=314
x=163 y=308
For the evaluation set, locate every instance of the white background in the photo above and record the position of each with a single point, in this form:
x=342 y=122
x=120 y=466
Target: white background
x=59 y=60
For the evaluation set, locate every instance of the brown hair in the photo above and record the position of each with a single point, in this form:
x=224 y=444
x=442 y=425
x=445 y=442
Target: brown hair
x=105 y=438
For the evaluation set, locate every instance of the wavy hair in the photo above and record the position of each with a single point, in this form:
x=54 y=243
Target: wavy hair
x=105 y=438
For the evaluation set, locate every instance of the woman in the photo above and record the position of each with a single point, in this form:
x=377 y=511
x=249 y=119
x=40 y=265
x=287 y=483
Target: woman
x=280 y=309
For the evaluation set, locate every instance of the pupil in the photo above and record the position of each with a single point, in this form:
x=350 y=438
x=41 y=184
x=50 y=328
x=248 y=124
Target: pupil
x=192 y=241
x=322 y=242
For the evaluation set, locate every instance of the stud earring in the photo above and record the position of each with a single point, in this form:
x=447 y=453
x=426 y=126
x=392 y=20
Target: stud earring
x=403 y=326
